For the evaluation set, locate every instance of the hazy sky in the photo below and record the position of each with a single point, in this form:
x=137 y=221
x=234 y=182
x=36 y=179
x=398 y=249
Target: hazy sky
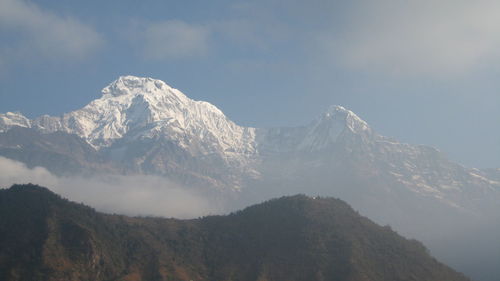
x=422 y=71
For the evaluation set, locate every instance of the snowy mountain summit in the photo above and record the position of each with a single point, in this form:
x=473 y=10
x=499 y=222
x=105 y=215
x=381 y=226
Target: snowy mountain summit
x=133 y=108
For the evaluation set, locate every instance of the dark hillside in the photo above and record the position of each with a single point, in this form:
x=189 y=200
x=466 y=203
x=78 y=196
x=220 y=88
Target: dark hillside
x=45 y=237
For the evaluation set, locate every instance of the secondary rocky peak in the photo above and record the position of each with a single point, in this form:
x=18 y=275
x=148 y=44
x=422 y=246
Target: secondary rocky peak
x=11 y=119
x=340 y=114
x=337 y=112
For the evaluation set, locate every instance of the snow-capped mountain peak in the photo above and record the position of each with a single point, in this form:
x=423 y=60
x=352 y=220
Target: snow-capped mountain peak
x=131 y=85
x=325 y=130
x=137 y=107
x=322 y=133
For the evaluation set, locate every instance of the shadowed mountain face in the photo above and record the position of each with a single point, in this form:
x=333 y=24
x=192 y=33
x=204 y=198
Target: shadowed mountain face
x=44 y=237
x=60 y=152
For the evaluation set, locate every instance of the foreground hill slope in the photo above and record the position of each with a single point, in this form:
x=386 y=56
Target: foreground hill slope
x=45 y=237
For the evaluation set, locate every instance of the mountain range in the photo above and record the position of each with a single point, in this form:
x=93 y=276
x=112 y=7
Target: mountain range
x=142 y=126
x=45 y=237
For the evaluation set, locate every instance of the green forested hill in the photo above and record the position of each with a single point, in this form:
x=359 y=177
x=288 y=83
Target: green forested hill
x=45 y=237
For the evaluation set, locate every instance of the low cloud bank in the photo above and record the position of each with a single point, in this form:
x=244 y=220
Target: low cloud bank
x=129 y=195
x=466 y=241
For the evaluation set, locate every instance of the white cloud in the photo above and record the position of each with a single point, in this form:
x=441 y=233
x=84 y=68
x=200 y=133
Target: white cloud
x=129 y=195
x=29 y=32
x=17 y=172
x=419 y=37
x=173 y=39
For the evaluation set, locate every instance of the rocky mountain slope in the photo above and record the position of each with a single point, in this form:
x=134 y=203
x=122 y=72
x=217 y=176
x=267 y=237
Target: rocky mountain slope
x=44 y=237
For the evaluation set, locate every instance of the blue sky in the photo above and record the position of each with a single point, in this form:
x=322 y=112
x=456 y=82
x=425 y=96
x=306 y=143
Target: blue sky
x=424 y=72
